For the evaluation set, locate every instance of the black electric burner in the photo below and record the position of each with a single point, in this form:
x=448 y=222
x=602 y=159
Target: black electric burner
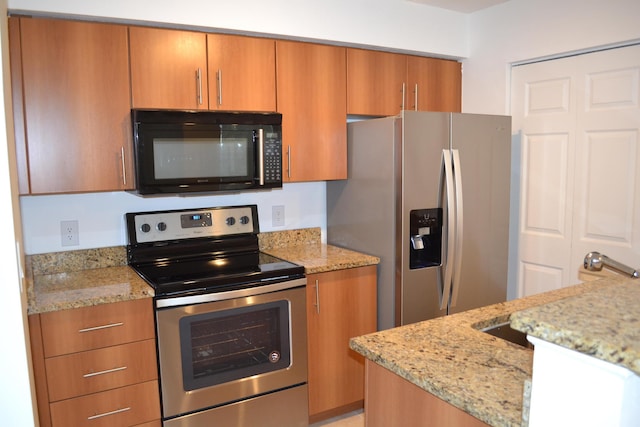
x=197 y=251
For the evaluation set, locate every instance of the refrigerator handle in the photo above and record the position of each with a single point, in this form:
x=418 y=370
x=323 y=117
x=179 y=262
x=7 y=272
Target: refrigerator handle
x=446 y=186
x=457 y=263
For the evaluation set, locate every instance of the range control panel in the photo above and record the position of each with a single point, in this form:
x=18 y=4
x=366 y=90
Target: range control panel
x=193 y=223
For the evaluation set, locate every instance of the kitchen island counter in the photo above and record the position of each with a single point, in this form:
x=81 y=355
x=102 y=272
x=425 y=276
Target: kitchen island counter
x=453 y=360
x=604 y=324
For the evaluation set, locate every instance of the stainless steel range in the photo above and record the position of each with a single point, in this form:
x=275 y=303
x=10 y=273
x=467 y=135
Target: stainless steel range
x=231 y=321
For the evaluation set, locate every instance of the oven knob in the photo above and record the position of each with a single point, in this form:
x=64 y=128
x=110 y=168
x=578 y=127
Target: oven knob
x=231 y=221
x=244 y=220
x=161 y=226
x=145 y=228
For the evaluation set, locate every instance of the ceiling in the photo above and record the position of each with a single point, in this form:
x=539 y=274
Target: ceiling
x=465 y=6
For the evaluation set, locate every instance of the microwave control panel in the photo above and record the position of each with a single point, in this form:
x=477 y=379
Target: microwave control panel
x=272 y=158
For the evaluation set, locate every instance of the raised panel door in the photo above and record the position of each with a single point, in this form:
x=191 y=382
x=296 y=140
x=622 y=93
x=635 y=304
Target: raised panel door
x=340 y=305
x=76 y=105
x=434 y=84
x=578 y=122
x=311 y=91
x=168 y=69
x=242 y=73
x=375 y=82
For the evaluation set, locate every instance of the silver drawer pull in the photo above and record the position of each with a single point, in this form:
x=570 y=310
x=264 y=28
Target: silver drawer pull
x=108 y=371
x=97 y=328
x=105 y=414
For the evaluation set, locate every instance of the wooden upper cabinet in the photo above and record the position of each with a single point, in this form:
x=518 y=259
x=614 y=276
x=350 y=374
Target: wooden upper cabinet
x=435 y=84
x=311 y=92
x=375 y=82
x=75 y=99
x=242 y=73
x=168 y=69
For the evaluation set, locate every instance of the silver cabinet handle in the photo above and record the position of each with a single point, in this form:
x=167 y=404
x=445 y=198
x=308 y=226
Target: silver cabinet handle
x=261 y=155
x=97 y=328
x=199 y=86
x=415 y=97
x=124 y=169
x=289 y=161
x=317 y=304
x=107 y=371
x=404 y=94
x=106 y=414
x=219 y=80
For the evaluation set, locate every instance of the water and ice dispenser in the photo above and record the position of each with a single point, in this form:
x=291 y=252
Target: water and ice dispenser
x=425 y=240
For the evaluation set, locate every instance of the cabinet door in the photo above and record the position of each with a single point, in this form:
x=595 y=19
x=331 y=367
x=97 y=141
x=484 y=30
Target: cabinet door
x=76 y=105
x=434 y=84
x=311 y=86
x=340 y=305
x=375 y=82
x=242 y=73
x=168 y=69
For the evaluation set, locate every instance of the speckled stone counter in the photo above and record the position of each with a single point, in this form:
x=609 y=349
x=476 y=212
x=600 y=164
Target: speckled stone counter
x=304 y=247
x=63 y=280
x=449 y=357
x=604 y=324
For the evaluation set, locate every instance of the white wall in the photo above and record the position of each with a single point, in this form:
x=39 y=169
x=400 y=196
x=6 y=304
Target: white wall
x=523 y=30
x=15 y=391
x=394 y=24
x=100 y=216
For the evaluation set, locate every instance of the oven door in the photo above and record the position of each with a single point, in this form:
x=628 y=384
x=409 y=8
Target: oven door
x=218 y=352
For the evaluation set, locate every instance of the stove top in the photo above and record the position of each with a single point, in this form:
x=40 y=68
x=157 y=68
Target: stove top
x=208 y=250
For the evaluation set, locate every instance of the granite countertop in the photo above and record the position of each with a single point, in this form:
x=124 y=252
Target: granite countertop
x=72 y=279
x=451 y=358
x=604 y=324
x=63 y=280
x=304 y=247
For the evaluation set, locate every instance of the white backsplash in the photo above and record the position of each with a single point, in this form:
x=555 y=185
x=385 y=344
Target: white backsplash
x=101 y=222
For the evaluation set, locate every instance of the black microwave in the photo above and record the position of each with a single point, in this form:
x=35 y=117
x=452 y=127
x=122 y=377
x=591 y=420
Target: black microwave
x=206 y=151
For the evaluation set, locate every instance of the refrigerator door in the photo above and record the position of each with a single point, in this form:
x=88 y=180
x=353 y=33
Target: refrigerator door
x=483 y=144
x=424 y=135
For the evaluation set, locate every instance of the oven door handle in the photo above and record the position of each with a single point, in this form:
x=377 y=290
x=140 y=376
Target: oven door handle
x=227 y=295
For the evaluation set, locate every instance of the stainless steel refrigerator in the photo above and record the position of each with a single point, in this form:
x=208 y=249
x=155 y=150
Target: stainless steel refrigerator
x=428 y=193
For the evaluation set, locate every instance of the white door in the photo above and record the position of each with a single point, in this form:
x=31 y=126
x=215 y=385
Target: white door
x=579 y=123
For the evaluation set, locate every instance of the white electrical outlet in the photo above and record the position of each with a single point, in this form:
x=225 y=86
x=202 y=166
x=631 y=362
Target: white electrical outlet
x=277 y=216
x=69 y=233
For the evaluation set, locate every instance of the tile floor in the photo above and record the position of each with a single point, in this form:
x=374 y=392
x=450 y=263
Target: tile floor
x=352 y=419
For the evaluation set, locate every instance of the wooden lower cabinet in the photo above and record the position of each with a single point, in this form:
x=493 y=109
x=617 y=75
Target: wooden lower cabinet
x=391 y=400
x=340 y=305
x=96 y=365
x=126 y=406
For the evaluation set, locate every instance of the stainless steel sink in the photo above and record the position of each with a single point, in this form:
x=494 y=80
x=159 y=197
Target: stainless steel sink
x=505 y=332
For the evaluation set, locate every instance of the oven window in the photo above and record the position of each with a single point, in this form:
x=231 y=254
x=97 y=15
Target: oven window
x=223 y=346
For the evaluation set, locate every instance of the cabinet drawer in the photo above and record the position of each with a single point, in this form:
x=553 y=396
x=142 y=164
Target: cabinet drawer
x=126 y=406
x=88 y=328
x=103 y=369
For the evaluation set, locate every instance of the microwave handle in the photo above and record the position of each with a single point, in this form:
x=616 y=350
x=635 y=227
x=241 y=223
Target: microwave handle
x=261 y=155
